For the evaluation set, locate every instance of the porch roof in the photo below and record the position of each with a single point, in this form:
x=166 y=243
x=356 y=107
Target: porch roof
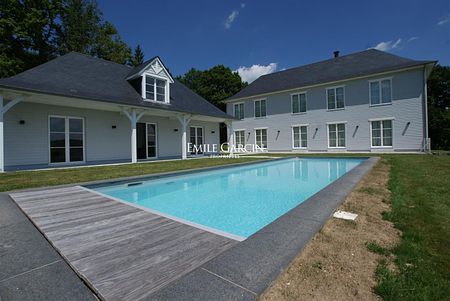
x=80 y=76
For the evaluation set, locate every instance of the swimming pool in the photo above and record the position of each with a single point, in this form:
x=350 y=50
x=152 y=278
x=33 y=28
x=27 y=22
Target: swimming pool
x=237 y=201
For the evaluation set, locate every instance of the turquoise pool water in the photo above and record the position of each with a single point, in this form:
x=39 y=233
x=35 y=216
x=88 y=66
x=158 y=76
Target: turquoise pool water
x=237 y=200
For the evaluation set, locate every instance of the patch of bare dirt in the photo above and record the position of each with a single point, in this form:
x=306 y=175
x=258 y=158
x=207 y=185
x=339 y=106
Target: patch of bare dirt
x=336 y=264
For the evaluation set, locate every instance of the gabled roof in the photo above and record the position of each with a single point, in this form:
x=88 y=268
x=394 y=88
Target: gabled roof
x=81 y=76
x=138 y=70
x=345 y=67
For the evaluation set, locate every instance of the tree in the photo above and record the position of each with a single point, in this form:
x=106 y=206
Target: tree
x=439 y=107
x=215 y=84
x=27 y=34
x=138 y=56
x=33 y=32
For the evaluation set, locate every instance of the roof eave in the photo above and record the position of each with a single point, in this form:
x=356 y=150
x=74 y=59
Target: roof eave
x=21 y=89
x=419 y=64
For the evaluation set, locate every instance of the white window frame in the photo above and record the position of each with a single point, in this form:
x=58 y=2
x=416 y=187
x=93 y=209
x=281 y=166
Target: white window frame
x=292 y=103
x=156 y=140
x=335 y=97
x=235 y=141
x=254 y=107
x=392 y=129
x=293 y=138
x=337 y=136
x=256 y=137
x=67 y=139
x=144 y=88
x=237 y=104
x=379 y=80
x=196 y=137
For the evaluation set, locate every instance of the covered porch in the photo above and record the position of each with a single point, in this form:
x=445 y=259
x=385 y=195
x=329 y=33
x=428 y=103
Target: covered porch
x=51 y=131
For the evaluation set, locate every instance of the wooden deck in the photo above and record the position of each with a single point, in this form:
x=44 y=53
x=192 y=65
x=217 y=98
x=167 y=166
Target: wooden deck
x=122 y=252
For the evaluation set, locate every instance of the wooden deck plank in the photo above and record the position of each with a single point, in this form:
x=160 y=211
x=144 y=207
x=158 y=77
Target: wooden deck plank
x=123 y=252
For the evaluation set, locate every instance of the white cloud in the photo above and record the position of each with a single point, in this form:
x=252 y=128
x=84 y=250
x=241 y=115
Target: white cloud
x=412 y=39
x=388 y=45
x=444 y=21
x=249 y=74
x=231 y=18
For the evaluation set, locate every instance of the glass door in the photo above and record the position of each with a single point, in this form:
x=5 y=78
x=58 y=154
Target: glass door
x=196 y=139
x=151 y=140
x=66 y=139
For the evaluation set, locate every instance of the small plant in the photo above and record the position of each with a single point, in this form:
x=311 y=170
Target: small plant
x=317 y=265
x=376 y=248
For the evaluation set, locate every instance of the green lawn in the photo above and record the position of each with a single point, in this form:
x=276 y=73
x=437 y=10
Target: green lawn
x=30 y=179
x=420 y=187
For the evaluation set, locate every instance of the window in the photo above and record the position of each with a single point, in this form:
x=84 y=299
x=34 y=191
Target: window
x=380 y=92
x=336 y=135
x=239 y=110
x=335 y=98
x=381 y=133
x=260 y=108
x=151 y=140
x=300 y=137
x=261 y=138
x=155 y=89
x=298 y=103
x=196 y=139
x=66 y=139
x=239 y=138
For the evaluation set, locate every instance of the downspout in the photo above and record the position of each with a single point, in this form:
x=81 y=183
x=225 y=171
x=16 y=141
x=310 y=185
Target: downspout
x=427 y=144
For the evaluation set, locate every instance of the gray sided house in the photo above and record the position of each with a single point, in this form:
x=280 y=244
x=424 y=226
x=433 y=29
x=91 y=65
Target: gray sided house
x=77 y=110
x=369 y=101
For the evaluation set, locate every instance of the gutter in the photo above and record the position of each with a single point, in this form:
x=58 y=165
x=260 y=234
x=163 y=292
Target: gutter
x=227 y=117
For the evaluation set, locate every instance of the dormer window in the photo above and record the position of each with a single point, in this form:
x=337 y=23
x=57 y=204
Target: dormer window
x=152 y=81
x=155 y=89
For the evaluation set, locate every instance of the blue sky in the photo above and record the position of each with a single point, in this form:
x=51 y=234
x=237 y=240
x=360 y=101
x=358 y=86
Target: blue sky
x=257 y=37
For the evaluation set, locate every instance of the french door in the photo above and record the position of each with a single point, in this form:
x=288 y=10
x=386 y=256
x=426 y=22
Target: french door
x=196 y=138
x=146 y=140
x=66 y=139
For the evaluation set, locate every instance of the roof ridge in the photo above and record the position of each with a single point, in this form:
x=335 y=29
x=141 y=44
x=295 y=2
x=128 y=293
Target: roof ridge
x=334 y=58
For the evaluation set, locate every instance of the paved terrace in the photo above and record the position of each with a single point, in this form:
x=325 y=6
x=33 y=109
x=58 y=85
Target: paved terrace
x=122 y=252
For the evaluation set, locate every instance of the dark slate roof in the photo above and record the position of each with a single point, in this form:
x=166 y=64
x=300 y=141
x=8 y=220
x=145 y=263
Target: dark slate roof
x=345 y=67
x=81 y=76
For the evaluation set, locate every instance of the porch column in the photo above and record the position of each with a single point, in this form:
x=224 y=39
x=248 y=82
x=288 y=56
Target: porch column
x=184 y=121
x=2 y=148
x=134 y=117
x=230 y=136
x=3 y=109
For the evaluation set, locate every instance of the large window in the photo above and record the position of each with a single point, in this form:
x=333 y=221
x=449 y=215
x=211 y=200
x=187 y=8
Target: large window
x=239 y=138
x=298 y=103
x=155 y=89
x=335 y=98
x=196 y=138
x=66 y=139
x=300 y=136
x=381 y=133
x=380 y=92
x=260 y=108
x=336 y=135
x=261 y=138
x=239 y=110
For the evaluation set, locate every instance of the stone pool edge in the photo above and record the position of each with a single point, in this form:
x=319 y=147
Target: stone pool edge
x=246 y=270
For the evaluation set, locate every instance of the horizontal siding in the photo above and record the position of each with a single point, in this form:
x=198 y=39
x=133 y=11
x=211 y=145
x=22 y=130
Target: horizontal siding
x=27 y=144
x=407 y=107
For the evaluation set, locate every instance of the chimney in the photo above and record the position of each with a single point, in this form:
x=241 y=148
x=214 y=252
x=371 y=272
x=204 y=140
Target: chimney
x=336 y=53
